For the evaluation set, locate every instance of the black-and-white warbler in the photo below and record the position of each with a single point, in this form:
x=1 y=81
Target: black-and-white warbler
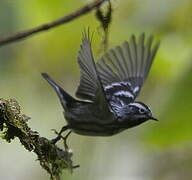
x=111 y=86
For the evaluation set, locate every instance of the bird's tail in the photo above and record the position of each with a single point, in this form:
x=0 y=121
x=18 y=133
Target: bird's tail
x=65 y=99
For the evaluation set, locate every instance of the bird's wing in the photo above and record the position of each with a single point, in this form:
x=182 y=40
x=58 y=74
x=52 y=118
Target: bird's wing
x=88 y=83
x=90 y=87
x=124 y=68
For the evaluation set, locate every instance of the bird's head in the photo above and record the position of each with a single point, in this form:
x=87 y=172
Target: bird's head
x=134 y=114
x=140 y=111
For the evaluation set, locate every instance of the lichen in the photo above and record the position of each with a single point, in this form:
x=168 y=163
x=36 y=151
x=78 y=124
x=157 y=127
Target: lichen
x=14 y=124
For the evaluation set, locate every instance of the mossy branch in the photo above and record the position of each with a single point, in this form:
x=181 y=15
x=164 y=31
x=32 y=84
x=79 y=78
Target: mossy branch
x=14 y=124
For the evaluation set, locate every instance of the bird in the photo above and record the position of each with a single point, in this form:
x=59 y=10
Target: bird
x=105 y=102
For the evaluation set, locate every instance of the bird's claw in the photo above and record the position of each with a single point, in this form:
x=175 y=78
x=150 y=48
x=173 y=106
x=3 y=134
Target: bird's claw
x=55 y=131
x=65 y=140
x=54 y=140
x=59 y=136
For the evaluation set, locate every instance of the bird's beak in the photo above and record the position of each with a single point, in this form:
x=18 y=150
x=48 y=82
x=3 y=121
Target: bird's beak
x=152 y=118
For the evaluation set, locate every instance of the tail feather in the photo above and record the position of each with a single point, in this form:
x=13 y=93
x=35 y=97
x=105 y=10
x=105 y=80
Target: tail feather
x=64 y=97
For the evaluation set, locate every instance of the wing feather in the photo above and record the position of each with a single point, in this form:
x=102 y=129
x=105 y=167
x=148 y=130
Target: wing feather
x=129 y=63
x=91 y=87
x=123 y=68
x=88 y=83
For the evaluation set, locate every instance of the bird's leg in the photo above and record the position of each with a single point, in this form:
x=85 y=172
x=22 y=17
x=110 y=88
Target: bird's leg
x=65 y=140
x=55 y=140
x=67 y=148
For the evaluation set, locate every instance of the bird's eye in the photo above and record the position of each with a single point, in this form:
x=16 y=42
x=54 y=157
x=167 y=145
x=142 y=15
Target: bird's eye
x=132 y=109
x=141 y=111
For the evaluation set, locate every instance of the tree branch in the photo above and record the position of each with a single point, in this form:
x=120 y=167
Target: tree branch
x=80 y=12
x=13 y=124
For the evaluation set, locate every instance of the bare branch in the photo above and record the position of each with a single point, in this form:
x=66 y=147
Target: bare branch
x=80 y=12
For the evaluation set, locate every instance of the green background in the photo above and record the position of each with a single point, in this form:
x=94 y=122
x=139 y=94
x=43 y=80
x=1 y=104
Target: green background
x=156 y=151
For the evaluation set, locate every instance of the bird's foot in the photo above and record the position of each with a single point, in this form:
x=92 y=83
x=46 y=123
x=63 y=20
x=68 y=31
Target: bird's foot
x=59 y=136
x=65 y=140
x=55 y=140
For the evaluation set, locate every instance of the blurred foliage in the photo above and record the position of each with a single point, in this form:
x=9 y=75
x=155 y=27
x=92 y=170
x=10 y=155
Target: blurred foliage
x=175 y=128
x=173 y=165
x=167 y=90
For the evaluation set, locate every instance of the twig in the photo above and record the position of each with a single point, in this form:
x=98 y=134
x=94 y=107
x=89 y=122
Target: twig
x=80 y=12
x=105 y=19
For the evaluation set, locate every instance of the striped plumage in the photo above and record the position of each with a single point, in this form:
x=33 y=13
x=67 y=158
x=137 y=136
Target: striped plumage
x=111 y=86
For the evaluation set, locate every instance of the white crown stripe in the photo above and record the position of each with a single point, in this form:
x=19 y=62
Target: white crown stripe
x=140 y=106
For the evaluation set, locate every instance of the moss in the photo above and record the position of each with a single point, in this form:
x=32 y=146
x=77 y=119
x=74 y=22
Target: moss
x=14 y=124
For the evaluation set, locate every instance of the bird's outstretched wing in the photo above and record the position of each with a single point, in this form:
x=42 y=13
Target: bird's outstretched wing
x=124 y=68
x=90 y=87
